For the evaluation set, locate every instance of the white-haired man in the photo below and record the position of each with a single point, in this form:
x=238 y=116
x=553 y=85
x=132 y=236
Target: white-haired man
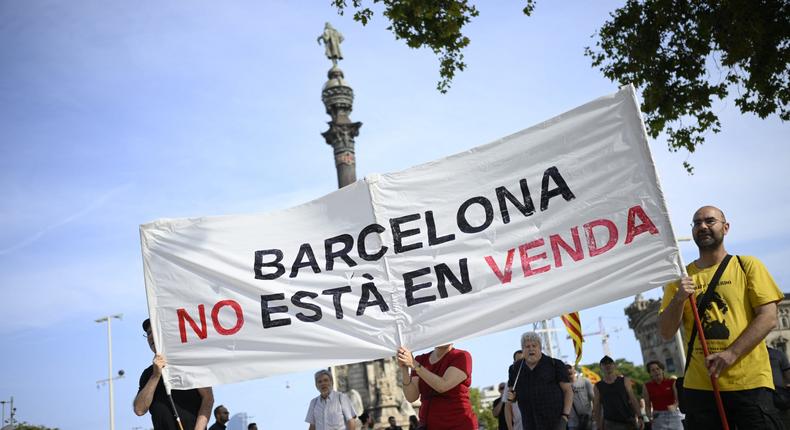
x=541 y=386
x=331 y=410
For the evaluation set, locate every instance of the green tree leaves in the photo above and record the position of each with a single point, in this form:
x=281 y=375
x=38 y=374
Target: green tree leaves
x=682 y=55
x=485 y=416
x=433 y=24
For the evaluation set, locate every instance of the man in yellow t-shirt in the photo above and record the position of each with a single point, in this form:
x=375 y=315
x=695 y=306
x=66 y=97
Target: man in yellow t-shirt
x=735 y=322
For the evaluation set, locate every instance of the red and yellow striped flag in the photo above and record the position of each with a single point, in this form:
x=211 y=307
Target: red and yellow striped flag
x=589 y=374
x=574 y=326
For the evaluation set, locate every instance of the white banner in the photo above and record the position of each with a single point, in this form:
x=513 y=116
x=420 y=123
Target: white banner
x=557 y=218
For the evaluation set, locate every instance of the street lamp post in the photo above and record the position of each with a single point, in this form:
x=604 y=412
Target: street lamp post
x=12 y=412
x=109 y=361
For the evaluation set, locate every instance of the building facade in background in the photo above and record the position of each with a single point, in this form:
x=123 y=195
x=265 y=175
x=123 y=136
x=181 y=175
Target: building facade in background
x=643 y=320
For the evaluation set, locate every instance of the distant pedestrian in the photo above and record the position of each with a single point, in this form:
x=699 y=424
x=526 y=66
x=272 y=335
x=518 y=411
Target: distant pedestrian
x=615 y=406
x=512 y=413
x=497 y=408
x=222 y=416
x=780 y=369
x=414 y=423
x=583 y=395
x=331 y=410
x=252 y=426
x=366 y=418
x=393 y=424
x=661 y=399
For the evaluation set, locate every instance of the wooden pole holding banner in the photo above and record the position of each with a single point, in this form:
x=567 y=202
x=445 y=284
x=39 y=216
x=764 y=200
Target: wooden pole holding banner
x=166 y=383
x=175 y=411
x=713 y=379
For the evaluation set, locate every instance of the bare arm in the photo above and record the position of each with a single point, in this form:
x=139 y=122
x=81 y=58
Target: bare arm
x=764 y=321
x=498 y=409
x=567 y=399
x=206 y=402
x=451 y=378
x=669 y=319
x=632 y=398
x=509 y=414
x=597 y=416
x=675 y=392
x=351 y=424
x=410 y=385
x=646 y=396
x=143 y=399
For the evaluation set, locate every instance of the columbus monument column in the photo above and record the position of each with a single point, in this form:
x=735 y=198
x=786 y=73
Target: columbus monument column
x=373 y=386
x=338 y=98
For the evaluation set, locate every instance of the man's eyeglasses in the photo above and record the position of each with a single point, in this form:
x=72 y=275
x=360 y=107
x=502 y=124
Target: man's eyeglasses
x=710 y=222
x=145 y=335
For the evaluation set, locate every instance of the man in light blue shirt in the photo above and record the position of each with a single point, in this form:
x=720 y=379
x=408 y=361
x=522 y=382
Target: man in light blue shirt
x=331 y=410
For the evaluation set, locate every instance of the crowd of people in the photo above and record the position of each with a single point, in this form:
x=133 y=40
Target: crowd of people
x=736 y=300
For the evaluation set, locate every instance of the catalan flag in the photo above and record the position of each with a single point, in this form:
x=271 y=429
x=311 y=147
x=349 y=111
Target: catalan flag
x=574 y=326
x=592 y=376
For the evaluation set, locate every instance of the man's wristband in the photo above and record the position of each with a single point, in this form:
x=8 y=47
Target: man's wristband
x=417 y=365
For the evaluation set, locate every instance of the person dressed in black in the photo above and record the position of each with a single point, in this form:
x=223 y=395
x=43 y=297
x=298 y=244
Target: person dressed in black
x=541 y=386
x=414 y=423
x=222 y=416
x=780 y=370
x=393 y=424
x=499 y=410
x=614 y=395
x=194 y=406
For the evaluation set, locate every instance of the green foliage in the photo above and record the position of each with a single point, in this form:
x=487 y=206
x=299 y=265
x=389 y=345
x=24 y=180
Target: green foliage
x=485 y=416
x=26 y=426
x=435 y=24
x=638 y=374
x=681 y=54
x=684 y=54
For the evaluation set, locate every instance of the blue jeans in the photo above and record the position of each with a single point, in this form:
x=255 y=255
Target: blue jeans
x=666 y=420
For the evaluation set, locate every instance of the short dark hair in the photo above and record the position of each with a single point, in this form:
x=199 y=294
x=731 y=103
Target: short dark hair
x=147 y=325
x=249 y=426
x=657 y=363
x=216 y=410
x=606 y=360
x=516 y=352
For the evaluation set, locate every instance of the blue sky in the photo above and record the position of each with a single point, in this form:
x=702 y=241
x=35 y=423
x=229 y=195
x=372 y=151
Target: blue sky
x=113 y=114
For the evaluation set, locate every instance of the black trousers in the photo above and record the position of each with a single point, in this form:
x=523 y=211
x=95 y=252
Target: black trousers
x=746 y=410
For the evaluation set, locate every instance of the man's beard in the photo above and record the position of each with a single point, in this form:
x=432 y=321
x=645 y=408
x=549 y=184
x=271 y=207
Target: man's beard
x=709 y=242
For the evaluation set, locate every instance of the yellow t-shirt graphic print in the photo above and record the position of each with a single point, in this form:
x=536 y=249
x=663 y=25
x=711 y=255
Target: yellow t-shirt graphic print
x=729 y=312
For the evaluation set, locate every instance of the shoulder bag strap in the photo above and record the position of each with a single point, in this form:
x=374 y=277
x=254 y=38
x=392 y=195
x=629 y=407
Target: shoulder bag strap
x=702 y=302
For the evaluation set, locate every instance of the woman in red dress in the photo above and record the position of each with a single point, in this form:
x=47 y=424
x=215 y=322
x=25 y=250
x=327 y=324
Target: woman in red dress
x=441 y=380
